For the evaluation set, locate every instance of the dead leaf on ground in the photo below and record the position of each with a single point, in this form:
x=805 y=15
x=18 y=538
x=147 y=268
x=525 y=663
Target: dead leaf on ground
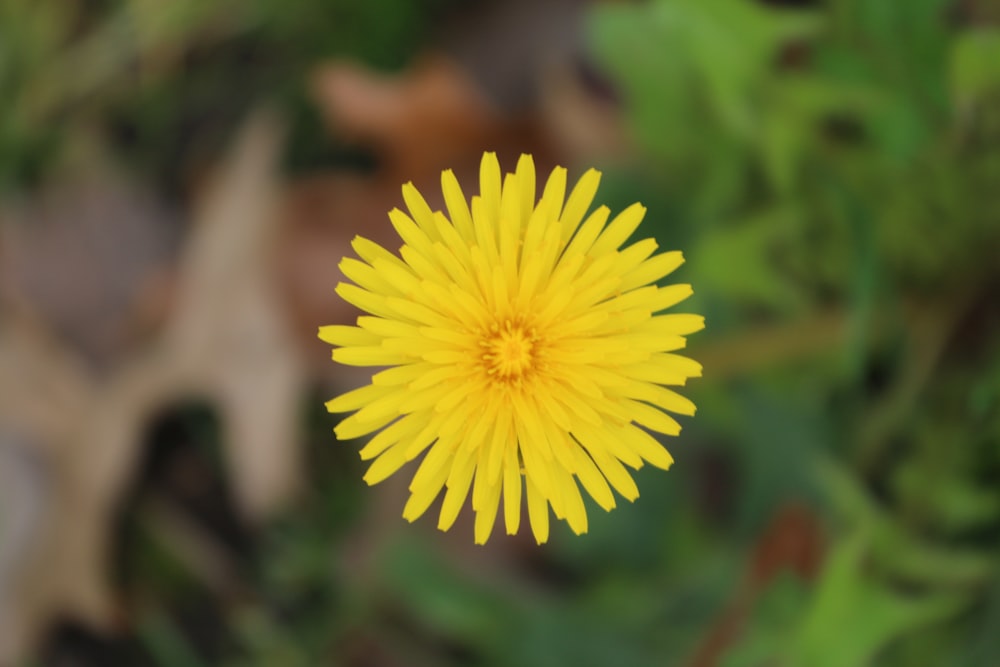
x=91 y=258
x=227 y=340
x=427 y=118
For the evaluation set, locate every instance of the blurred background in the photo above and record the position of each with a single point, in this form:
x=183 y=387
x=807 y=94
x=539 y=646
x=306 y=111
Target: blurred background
x=178 y=181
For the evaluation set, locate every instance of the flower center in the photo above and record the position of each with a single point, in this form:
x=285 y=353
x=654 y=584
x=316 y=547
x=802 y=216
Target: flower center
x=509 y=350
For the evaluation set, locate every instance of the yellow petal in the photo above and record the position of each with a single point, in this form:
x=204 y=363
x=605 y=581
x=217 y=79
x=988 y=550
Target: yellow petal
x=369 y=356
x=538 y=512
x=424 y=265
x=652 y=270
x=653 y=419
x=372 y=252
x=598 y=441
x=576 y=513
x=669 y=295
x=363 y=299
x=675 y=363
x=664 y=399
x=486 y=515
x=592 y=479
x=352 y=428
x=579 y=201
x=400 y=375
x=427 y=436
x=416 y=313
x=337 y=334
x=616 y=474
x=619 y=230
x=421 y=212
x=530 y=431
x=554 y=194
x=457 y=269
x=578 y=406
x=459 y=480
x=385 y=465
x=409 y=231
x=436 y=375
x=511 y=489
x=402 y=429
x=458 y=209
x=490 y=188
x=633 y=256
x=675 y=324
x=387 y=327
x=356 y=398
x=525 y=174
x=589 y=231
x=367 y=277
x=422 y=498
x=646 y=446
x=385 y=406
x=434 y=469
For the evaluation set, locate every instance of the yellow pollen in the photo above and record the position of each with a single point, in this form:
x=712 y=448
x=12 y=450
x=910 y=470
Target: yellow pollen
x=508 y=351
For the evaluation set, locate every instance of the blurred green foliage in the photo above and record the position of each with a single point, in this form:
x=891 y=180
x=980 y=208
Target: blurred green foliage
x=141 y=73
x=845 y=159
x=833 y=175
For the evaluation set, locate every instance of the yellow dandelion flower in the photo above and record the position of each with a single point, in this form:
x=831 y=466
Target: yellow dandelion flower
x=526 y=351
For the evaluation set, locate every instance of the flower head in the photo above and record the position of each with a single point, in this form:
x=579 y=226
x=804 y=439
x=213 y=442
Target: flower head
x=524 y=348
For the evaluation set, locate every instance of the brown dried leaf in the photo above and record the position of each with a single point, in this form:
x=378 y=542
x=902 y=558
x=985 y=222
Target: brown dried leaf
x=88 y=257
x=428 y=117
x=227 y=341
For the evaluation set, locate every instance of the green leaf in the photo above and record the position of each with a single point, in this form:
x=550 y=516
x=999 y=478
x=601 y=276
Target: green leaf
x=895 y=549
x=866 y=614
x=975 y=66
x=692 y=73
x=445 y=602
x=850 y=617
x=956 y=502
x=797 y=107
x=778 y=610
x=737 y=263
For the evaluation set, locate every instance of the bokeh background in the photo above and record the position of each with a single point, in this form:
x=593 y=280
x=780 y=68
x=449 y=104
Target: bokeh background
x=178 y=181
